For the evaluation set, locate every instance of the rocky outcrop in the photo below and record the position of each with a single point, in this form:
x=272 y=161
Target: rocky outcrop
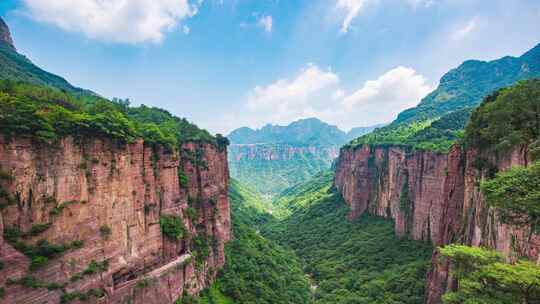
x=432 y=197
x=98 y=206
x=5 y=34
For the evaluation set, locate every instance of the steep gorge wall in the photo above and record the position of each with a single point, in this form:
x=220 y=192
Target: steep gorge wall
x=111 y=197
x=432 y=197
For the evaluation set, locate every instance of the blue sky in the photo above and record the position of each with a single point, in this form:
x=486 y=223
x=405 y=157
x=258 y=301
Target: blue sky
x=229 y=63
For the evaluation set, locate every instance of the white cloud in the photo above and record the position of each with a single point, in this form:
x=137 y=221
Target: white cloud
x=351 y=9
x=313 y=92
x=266 y=23
x=385 y=97
x=288 y=99
x=123 y=21
x=465 y=30
x=338 y=94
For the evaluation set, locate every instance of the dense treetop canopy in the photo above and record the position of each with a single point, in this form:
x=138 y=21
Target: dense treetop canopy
x=49 y=114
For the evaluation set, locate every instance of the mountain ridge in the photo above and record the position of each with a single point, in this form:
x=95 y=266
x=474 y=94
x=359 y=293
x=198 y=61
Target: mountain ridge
x=469 y=83
x=299 y=132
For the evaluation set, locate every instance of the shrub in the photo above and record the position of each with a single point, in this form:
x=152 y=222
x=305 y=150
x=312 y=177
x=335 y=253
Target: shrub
x=105 y=231
x=39 y=228
x=172 y=226
x=191 y=213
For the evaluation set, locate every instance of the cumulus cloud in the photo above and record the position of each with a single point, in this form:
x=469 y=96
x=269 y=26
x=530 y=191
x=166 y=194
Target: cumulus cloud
x=386 y=96
x=287 y=99
x=266 y=23
x=314 y=92
x=122 y=21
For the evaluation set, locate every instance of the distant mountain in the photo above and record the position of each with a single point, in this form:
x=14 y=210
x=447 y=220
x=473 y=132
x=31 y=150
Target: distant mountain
x=274 y=157
x=17 y=67
x=438 y=120
x=309 y=131
x=467 y=85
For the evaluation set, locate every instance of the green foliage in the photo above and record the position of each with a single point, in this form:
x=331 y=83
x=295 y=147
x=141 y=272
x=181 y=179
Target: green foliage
x=164 y=128
x=516 y=193
x=82 y=296
x=507 y=118
x=270 y=177
x=350 y=262
x=57 y=210
x=183 y=179
x=435 y=135
x=191 y=213
x=214 y=295
x=39 y=228
x=312 y=141
x=50 y=114
x=172 y=226
x=484 y=278
x=467 y=85
x=42 y=251
x=96 y=267
x=201 y=248
x=2 y=292
x=256 y=270
x=105 y=231
x=311 y=132
x=16 y=67
x=459 y=90
x=34 y=283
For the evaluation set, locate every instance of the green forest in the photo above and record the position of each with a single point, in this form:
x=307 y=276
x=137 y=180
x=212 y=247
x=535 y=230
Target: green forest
x=48 y=114
x=307 y=252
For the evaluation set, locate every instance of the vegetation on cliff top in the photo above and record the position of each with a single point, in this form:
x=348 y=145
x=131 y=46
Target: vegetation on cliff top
x=49 y=114
x=434 y=135
x=516 y=193
x=485 y=278
x=506 y=119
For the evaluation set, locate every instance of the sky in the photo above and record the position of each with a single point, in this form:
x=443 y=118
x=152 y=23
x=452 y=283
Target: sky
x=225 y=64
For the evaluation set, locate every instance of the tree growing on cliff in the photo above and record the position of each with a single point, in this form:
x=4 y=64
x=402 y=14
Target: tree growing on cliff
x=507 y=118
x=516 y=193
x=485 y=278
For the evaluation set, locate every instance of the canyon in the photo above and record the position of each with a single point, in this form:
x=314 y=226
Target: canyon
x=108 y=198
x=433 y=197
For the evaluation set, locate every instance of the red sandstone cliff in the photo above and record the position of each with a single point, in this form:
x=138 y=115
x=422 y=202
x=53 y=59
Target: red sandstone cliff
x=78 y=188
x=432 y=197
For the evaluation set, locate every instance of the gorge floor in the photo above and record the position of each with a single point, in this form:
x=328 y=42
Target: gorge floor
x=359 y=261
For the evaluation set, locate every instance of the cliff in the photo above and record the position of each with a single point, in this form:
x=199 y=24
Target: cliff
x=433 y=197
x=93 y=209
x=270 y=168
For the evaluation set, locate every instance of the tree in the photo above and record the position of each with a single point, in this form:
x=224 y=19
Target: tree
x=516 y=193
x=484 y=278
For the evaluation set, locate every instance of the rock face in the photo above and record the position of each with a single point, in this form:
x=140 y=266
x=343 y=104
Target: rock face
x=5 y=34
x=270 y=168
x=432 y=197
x=111 y=197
